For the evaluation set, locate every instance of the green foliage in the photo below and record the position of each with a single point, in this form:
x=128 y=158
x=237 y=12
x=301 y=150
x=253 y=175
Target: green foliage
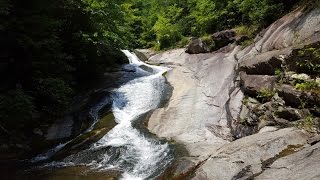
x=167 y=33
x=309 y=85
x=308 y=123
x=153 y=19
x=208 y=40
x=247 y=30
x=259 y=12
x=5 y=7
x=309 y=60
x=183 y=42
x=265 y=94
x=55 y=95
x=281 y=75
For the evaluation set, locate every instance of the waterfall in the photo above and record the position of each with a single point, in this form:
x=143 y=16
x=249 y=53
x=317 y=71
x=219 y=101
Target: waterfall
x=126 y=148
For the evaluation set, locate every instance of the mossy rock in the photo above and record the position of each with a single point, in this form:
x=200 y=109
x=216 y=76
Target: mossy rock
x=83 y=141
x=108 y=121
x=71 y=173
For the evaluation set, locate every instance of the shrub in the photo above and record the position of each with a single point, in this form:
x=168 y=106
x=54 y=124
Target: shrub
x=54 y=95
x=265 y=95
x=15 y=108
x=307 y=85
x=208 y=40
x=183 y=42
x=309 y=60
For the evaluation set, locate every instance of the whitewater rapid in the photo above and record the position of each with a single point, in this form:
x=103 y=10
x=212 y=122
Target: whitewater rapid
x=126 y=148
x=143 y=156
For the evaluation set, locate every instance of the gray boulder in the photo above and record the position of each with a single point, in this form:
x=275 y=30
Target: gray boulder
x=262 y=64
x=253 y=84
x=223 y=38
x=291 y=96
x=197 y=46
x=292 y=114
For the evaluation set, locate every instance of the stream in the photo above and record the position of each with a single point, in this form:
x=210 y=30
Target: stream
x=127 y=148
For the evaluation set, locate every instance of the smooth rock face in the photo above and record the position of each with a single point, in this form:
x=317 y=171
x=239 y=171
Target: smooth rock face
x=196 y=46
x=302 y=165
x=295 y=29
x=246 y=157
x=196 y=114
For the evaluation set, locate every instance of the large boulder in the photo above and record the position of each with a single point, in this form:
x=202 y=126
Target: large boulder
x=291 y=96
x=296 y=98
x=248 y=157
x=223 y=38
x=262 y=64
x=253 y=84
x=292 y=114
x=197 y=46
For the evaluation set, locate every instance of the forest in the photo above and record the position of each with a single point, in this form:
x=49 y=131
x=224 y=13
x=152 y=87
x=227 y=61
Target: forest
x=50 y=49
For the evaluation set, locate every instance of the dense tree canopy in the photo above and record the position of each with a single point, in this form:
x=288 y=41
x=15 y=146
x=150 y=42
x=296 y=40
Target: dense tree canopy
x=50 y=48
x=164 y=23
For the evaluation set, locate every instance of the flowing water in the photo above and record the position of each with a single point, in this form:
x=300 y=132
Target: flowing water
x=126 y=148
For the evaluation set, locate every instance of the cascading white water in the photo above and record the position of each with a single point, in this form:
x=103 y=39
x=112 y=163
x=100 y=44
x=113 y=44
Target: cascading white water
x=125 y=148
x=131 y=100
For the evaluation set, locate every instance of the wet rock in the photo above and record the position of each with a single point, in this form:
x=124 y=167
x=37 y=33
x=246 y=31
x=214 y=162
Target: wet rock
x=83 y=141
x=144 y=54
x=247 y=157
x=299 y=165
x=223 y=38
x=146 y=68
x=197 y=46
x=253 y=84
x=128 y=68
x=292 y=114
x=71 y=173
x=262 y=64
